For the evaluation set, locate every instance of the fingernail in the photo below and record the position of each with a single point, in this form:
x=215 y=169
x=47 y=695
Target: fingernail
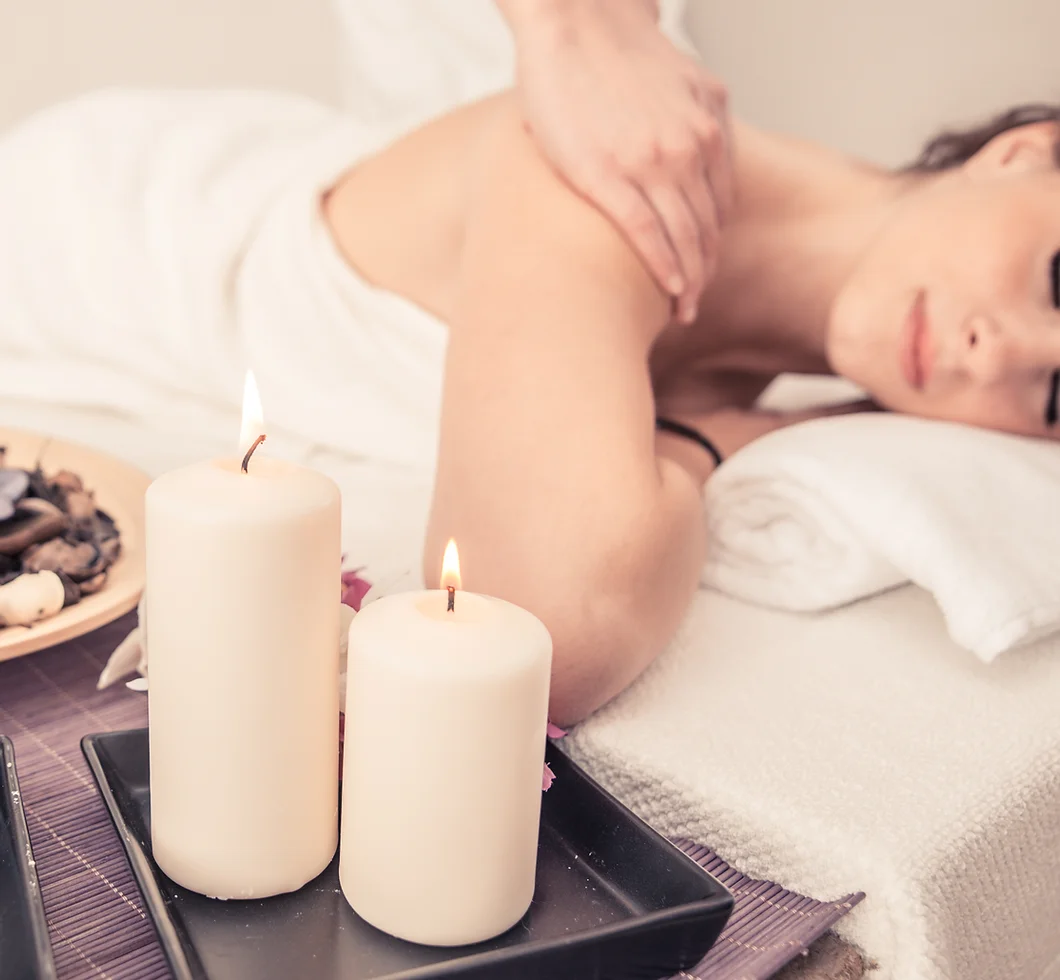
x=676 y=285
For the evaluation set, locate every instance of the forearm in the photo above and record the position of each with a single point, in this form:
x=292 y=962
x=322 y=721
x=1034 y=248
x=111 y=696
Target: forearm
x=604 y=543
x=609 y=564
x=652 y=576
x=530 y=20
x=551 y=476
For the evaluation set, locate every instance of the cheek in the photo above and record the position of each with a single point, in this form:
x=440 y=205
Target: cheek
x=1016 y=410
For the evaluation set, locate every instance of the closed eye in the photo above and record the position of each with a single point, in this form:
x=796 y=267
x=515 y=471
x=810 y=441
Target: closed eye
x=1052 y=406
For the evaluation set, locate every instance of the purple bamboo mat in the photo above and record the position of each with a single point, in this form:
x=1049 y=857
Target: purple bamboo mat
x=98 y=925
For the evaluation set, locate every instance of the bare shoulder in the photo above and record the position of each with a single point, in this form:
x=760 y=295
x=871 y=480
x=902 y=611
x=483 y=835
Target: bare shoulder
x=522 y=216
x=468 y=199
x=399 y=216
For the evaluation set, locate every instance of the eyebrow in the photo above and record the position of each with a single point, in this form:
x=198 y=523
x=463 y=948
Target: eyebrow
x=1052 y=408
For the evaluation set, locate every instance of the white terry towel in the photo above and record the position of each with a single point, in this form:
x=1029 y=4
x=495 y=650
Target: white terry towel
x=822 y=513
x=154 y=245
x=859 y=751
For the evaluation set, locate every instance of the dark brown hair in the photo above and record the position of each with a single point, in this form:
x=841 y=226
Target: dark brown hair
x=951 y=148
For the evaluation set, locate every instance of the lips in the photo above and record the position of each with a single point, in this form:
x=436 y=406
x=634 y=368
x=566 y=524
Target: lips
x=915 y=355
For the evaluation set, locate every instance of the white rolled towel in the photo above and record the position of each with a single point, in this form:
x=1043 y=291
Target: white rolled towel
x=826 y=512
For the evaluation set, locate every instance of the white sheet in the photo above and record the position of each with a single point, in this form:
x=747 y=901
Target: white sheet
x=155 y=245
x=860 y=750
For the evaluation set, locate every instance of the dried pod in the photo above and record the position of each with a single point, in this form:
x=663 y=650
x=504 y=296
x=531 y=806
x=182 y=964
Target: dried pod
x=35 y=520
x=72 y=589
x=13 y=487
x=110 y=549
x=76 y=559
x=52 y=537
x=100 y=565
x=30 y=598
x=10 y=569
x=107 y=527
x=79 y=505
x=40 y=487
x=100 y=532
x=93 y=584
x=101 y=561
x=13 y=483
x=68 y=481
x=82 y=531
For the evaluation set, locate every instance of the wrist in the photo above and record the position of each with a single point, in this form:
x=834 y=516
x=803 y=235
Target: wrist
x=693 y=459
x=529 y=15
x=536 y=21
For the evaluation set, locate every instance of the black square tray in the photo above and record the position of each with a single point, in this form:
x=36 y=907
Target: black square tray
x=25 y=951
x=614 y=900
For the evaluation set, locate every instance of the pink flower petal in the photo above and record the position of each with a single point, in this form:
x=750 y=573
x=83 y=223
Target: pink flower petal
x=354 y=589
x=350 y=575
x=554 y=731
x=548 y=777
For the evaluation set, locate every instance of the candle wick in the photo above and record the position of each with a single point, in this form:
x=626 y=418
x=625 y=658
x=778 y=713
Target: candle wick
x=451 y=589
x=250 y=452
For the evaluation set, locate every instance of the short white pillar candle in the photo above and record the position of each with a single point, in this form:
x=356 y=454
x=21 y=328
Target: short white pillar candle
x=444 y=750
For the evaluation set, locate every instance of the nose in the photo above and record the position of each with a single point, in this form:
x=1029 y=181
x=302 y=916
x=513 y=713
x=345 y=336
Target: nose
x=992 y=350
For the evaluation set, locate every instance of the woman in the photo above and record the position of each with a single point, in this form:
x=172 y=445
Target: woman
x=935 y=289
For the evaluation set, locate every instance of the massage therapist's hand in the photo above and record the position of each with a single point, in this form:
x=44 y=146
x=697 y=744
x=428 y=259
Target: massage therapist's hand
x=634 y=124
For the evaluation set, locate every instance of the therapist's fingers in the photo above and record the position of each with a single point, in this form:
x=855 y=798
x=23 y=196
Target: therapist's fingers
x=713 y=128
x=699 y=196
x=639 y=220
x=678 y=217
x=705 y=174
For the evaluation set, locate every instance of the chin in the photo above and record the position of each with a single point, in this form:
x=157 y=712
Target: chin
x=862 y=355
x=842 y=347
x=844 y=357
x=855 y=367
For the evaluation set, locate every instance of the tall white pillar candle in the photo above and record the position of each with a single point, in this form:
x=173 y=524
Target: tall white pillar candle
x=242 y=614
x=444 y=749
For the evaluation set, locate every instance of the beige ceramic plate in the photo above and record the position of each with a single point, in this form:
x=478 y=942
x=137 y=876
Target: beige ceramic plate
x=119 y=490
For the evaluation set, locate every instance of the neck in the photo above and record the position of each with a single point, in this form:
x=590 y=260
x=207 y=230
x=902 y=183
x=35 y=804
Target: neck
x=804 y=216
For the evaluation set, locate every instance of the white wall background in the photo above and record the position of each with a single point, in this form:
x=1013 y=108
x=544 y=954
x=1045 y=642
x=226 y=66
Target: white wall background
x=878 y=77
x=869 y=77
x=51 y=49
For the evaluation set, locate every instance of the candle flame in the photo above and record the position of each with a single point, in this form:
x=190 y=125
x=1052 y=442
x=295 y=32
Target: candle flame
x=451 y=566
x=253 y=416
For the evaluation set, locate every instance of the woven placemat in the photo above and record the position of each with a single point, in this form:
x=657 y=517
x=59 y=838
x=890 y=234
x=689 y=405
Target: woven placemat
x=98 y=925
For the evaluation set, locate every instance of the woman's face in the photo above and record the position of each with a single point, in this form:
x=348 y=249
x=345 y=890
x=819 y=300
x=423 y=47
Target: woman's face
x=954 y=311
